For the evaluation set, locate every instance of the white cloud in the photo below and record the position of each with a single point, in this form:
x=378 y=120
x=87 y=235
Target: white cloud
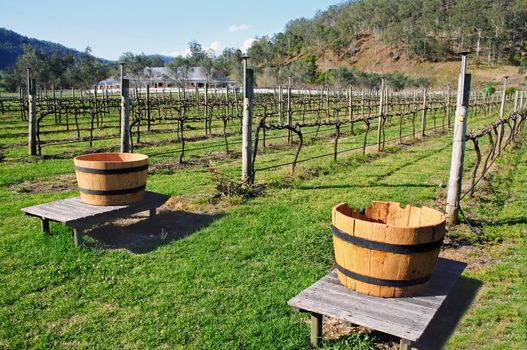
x=247 y=44
x=215 y=46
x=175 y=53
x=238 y=28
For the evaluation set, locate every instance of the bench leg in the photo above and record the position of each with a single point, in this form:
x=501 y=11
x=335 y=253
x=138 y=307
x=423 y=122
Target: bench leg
x=77 y=235
x=153 y=213
x=45 y=226
x=316 y=329
x=405 y=344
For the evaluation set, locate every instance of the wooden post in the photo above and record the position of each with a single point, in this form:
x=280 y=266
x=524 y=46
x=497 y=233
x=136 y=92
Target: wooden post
x=316 y=329
x=503 y=96
x=148 y=106
x=501 y=129
x=45 y=226
x=206 y=109
x=77 y=236
x=516 y=101
x=448 y=105
x=381 y=110
x=289 y=112
x=280 y=101
x=32 y=111
x=125 y=113
x=423 y=116
x=458 y=146
x=248 y=79
x=350 y=104
x=362 y=102
x=405 y=344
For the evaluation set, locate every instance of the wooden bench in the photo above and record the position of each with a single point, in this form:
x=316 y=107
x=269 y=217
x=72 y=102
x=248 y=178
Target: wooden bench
x=80 y=216
x=406 y=318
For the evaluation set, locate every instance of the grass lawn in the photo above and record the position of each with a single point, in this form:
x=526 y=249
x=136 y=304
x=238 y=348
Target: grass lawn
x=226 y=283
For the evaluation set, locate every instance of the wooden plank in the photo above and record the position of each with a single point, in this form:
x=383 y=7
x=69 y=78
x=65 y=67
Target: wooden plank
x=402 y=317
x=385 y=315
x=402 y=304
x=48 y=213
x=72 y=211
x=359 y=319
x=120 y=211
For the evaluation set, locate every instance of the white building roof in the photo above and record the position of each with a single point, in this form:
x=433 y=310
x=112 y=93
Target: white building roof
x=164 y=75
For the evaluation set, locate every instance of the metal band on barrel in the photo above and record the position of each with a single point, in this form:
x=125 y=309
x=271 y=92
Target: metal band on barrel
x=381 y=282
x=111 y=171
x=387 y=247
x=112 y=192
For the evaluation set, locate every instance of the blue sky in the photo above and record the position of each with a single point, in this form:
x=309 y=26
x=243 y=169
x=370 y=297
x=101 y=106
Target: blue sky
x=112 y=27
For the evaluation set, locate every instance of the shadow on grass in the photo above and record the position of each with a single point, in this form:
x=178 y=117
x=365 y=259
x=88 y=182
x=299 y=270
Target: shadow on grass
x=336 y=186
x=501 y=222
x=439 y=330
x=141 y=235
x=449 y=314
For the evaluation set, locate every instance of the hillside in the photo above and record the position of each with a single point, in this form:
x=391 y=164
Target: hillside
x=374 y=55
x=420 y=38
x=11 y=46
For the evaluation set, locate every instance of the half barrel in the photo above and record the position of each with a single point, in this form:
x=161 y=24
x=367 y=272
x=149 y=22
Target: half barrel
x=386 y=250
x=111 y=178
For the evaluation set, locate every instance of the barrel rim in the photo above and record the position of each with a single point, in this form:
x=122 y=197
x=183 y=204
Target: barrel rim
x=441 y=220
x=85 y=158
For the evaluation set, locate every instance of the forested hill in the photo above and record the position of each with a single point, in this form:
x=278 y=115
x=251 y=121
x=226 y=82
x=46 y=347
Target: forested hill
x=428 y=30
x=11 y=47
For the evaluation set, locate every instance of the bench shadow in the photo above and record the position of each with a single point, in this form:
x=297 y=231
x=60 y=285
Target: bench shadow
x=449 y=314
x=139 y=234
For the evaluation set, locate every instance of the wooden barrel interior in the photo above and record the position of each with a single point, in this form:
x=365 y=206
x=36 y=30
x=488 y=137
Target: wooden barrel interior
x=111 y=178
x=386 y=250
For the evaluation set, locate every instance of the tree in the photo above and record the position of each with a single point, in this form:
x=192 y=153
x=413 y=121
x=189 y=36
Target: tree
x=180 y=68
x=135 y=66
x=87 y=71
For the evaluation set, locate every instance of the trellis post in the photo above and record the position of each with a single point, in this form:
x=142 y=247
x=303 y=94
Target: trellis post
x=206 y=109
x=423 y=116
x=350 y=104
x=125 y=113
x=381 y=111
x=32 y=118
x=448 y=105
x=501 y=129
x=289 y=112
x=458 y=145
x=280 y=102
x=248 y=79
x=503 y=96
x=148 y=106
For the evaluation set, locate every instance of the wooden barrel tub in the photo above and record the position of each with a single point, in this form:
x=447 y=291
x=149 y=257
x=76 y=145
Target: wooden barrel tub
x=111 y=178
x=386 y=250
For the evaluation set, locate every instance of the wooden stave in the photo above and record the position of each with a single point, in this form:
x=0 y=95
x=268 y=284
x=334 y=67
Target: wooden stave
x=354 y=257
x=134 y=181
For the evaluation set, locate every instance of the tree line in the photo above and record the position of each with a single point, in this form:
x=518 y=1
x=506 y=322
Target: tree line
x=65 y=70
x=434 y=30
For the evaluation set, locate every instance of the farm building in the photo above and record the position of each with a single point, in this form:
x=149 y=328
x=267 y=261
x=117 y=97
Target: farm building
x=162 y=77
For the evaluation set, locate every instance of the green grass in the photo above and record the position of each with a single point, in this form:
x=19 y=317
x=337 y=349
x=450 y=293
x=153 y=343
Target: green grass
x=498 y=317
x=227 y=285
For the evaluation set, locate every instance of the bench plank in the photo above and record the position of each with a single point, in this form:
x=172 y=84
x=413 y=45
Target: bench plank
x=74 y=213
x=406 y=318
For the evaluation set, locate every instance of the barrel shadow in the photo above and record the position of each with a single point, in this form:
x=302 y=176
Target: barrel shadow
x=449 y=314
x=139 y=234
